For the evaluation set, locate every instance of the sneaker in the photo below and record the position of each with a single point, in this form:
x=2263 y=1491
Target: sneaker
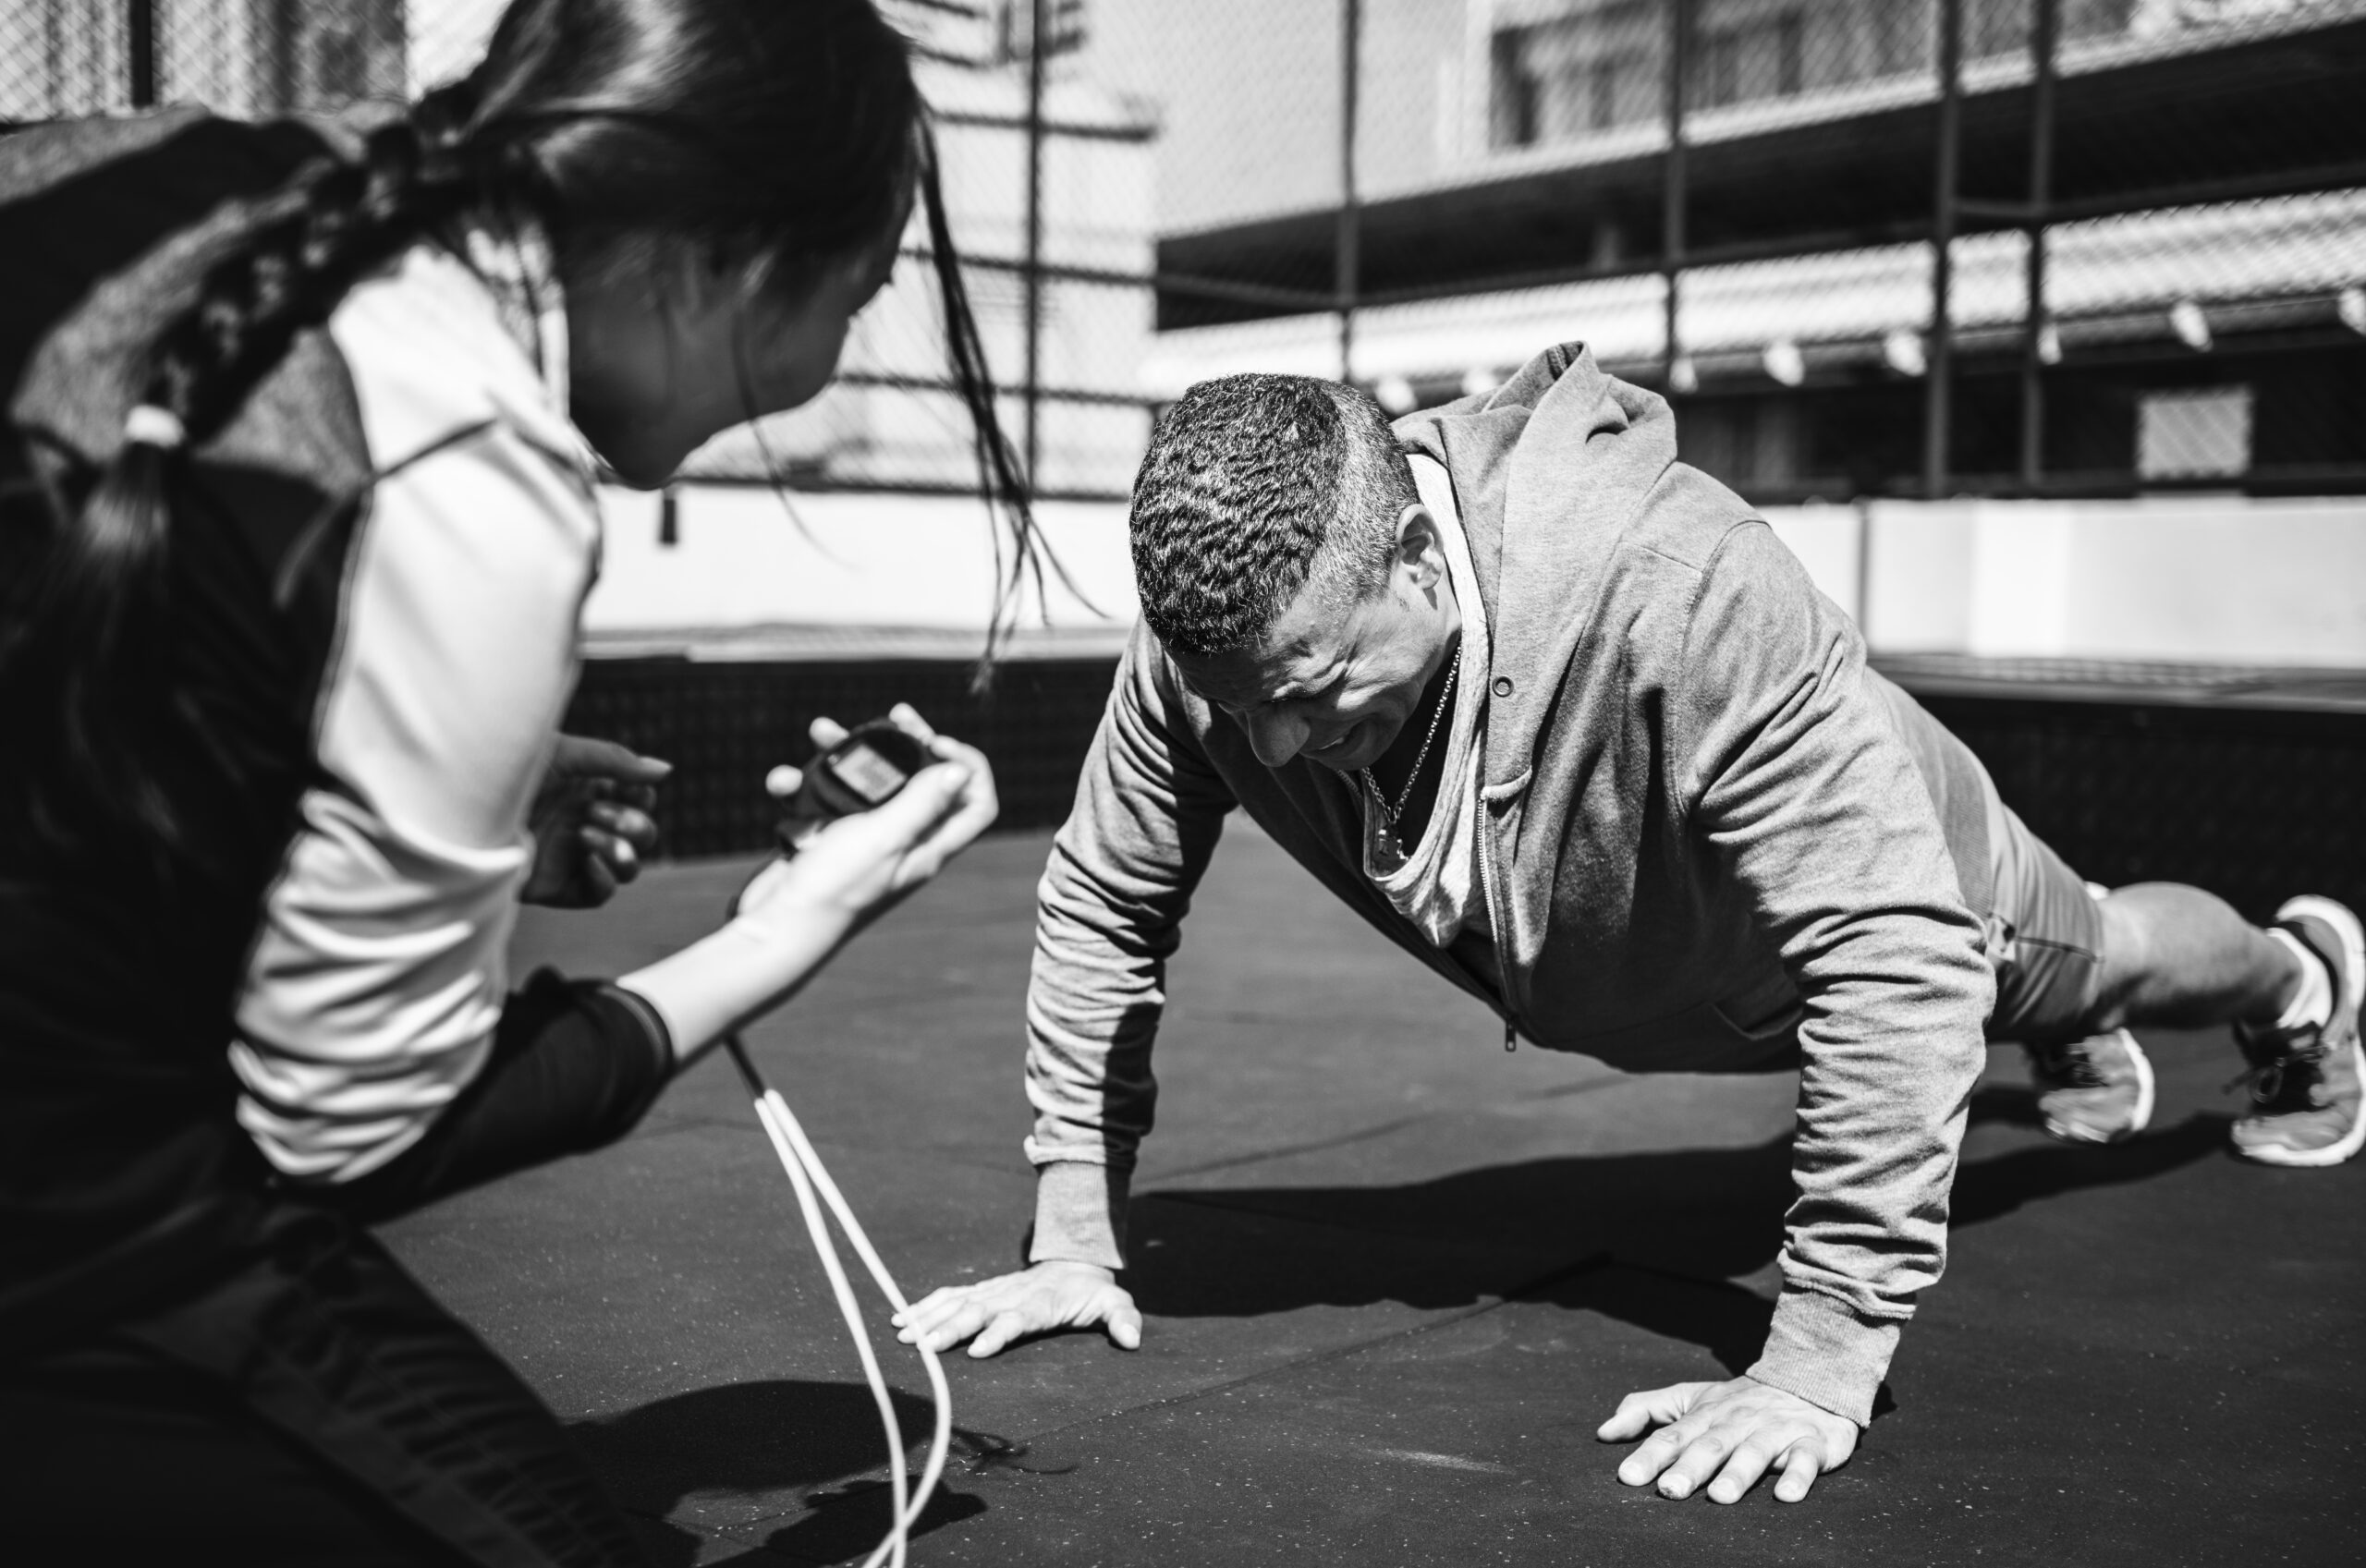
x=2305 y=1082
x=2093 y=1090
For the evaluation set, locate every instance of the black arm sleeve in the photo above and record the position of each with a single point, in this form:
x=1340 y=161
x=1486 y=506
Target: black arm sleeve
x=575 y=1065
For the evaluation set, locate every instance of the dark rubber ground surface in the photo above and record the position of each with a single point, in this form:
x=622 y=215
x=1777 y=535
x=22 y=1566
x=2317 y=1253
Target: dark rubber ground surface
x=1394 y=1278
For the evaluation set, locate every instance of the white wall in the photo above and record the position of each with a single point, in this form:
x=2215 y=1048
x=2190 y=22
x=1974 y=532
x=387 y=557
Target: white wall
x=860 y=560
x=2206 y=579
x=2201 y=579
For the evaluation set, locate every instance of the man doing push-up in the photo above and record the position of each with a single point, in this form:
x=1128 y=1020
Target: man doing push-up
x=1561 y=717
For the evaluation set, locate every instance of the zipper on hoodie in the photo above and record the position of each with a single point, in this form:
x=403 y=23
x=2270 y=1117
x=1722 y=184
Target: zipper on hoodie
x=1495 y=916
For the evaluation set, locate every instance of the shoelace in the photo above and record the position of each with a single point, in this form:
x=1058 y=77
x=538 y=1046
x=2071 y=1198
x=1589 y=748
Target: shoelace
x=2069 y=1066
x=2295 y=1066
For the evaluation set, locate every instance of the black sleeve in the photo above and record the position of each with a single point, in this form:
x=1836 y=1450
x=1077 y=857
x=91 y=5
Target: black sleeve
x=575 y=1065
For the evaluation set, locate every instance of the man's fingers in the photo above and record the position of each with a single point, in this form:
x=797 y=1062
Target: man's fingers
x=944 y=1325
x=1638 y=1413
x=1631 y=1420
x=1741 y=1472
x=994 y=1314
x=1125 y=1325
x=1726 y=1437
x=940 y=1305
x=1645 y=1464
x=1696 y=1464
x=912 y=1313
x=1007 y=1326
x=1801 y=1465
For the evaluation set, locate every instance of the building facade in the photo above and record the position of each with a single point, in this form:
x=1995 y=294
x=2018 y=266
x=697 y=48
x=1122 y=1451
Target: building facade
x=2203 y=171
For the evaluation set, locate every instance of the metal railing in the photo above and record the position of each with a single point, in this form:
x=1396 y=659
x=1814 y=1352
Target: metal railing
x=1902 y=247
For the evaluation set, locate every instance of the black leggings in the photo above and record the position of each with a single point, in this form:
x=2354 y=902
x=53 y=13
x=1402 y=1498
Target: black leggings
x=122 y=1457
x=316 y=1408
x=307 y=1401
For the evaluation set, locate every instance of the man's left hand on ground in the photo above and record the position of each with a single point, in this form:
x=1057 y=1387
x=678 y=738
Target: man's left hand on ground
x=1735 y=1431
x=590 y=822
x=1040 y=1299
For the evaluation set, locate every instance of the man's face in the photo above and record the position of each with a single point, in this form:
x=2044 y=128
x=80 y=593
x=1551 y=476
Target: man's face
x=1337 y=685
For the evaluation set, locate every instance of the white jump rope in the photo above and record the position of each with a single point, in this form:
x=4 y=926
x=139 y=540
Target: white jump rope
x=808 y=1175
x=863 y=770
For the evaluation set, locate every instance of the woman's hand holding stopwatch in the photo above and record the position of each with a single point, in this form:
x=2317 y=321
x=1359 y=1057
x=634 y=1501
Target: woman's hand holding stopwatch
x=857 y=866
x=793 y=915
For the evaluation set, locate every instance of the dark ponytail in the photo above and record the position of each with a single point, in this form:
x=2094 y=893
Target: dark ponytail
x=99 y=630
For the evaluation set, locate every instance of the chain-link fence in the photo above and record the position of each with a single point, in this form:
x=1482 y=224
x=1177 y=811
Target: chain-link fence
x=1821 y=225
x=1900 y=246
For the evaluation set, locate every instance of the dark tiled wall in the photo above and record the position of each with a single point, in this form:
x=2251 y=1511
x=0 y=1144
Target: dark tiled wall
x=725 y=724
x=2255 y=805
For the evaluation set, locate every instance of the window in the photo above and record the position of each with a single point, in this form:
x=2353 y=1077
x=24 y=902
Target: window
x=1620 y=89
x=1754 y=60
x=1596 y=69
x=1516 y=92
x=2194 y=433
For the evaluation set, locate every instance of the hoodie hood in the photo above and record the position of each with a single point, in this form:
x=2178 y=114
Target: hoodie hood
x=1549 y=469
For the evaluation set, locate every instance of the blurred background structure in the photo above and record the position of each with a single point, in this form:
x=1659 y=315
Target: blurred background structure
x=2038 y=327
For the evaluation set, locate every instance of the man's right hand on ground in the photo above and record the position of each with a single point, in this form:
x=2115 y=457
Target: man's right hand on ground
x=1000 y=1311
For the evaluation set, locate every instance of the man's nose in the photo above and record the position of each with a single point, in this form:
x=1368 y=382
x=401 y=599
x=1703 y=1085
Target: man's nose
x=1275 y=735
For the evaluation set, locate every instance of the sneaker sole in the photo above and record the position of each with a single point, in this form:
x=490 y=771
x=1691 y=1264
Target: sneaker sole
x=2140 y=1119
x=2143 y=1117
x=2353 y=955
x=2332 y=1153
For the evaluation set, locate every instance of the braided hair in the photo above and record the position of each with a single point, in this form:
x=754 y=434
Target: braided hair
x=779 y=137
x=100 y=631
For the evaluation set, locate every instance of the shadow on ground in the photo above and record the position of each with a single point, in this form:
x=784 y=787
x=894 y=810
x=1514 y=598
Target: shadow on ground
x=763 y=1443
x=1676 y=1226
x=1653 y=1240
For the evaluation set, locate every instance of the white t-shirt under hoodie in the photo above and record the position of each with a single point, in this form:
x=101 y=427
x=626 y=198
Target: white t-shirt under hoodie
x=1437 y=882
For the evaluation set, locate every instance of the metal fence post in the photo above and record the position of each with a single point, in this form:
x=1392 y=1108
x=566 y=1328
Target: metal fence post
x=141 y=23
x=2045 y=26
x=1937 y=413
x=1038 y=32
x=1347 y=241
x=1673 y=174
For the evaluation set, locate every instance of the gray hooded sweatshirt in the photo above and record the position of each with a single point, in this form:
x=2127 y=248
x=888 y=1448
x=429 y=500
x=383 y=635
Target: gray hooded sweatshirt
x=1693 y=792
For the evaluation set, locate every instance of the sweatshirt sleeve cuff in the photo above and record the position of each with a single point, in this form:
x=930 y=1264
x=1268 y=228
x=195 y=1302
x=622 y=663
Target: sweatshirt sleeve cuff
x=1079 y=1215
x=1818 y=1349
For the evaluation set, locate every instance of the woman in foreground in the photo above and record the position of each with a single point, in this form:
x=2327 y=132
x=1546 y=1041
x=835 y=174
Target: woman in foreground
x=296 y=519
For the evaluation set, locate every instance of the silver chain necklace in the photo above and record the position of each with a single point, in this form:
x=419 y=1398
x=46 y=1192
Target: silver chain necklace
x=1389 y=813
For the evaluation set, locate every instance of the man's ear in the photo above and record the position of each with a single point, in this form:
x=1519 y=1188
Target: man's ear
x=1420 y=550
